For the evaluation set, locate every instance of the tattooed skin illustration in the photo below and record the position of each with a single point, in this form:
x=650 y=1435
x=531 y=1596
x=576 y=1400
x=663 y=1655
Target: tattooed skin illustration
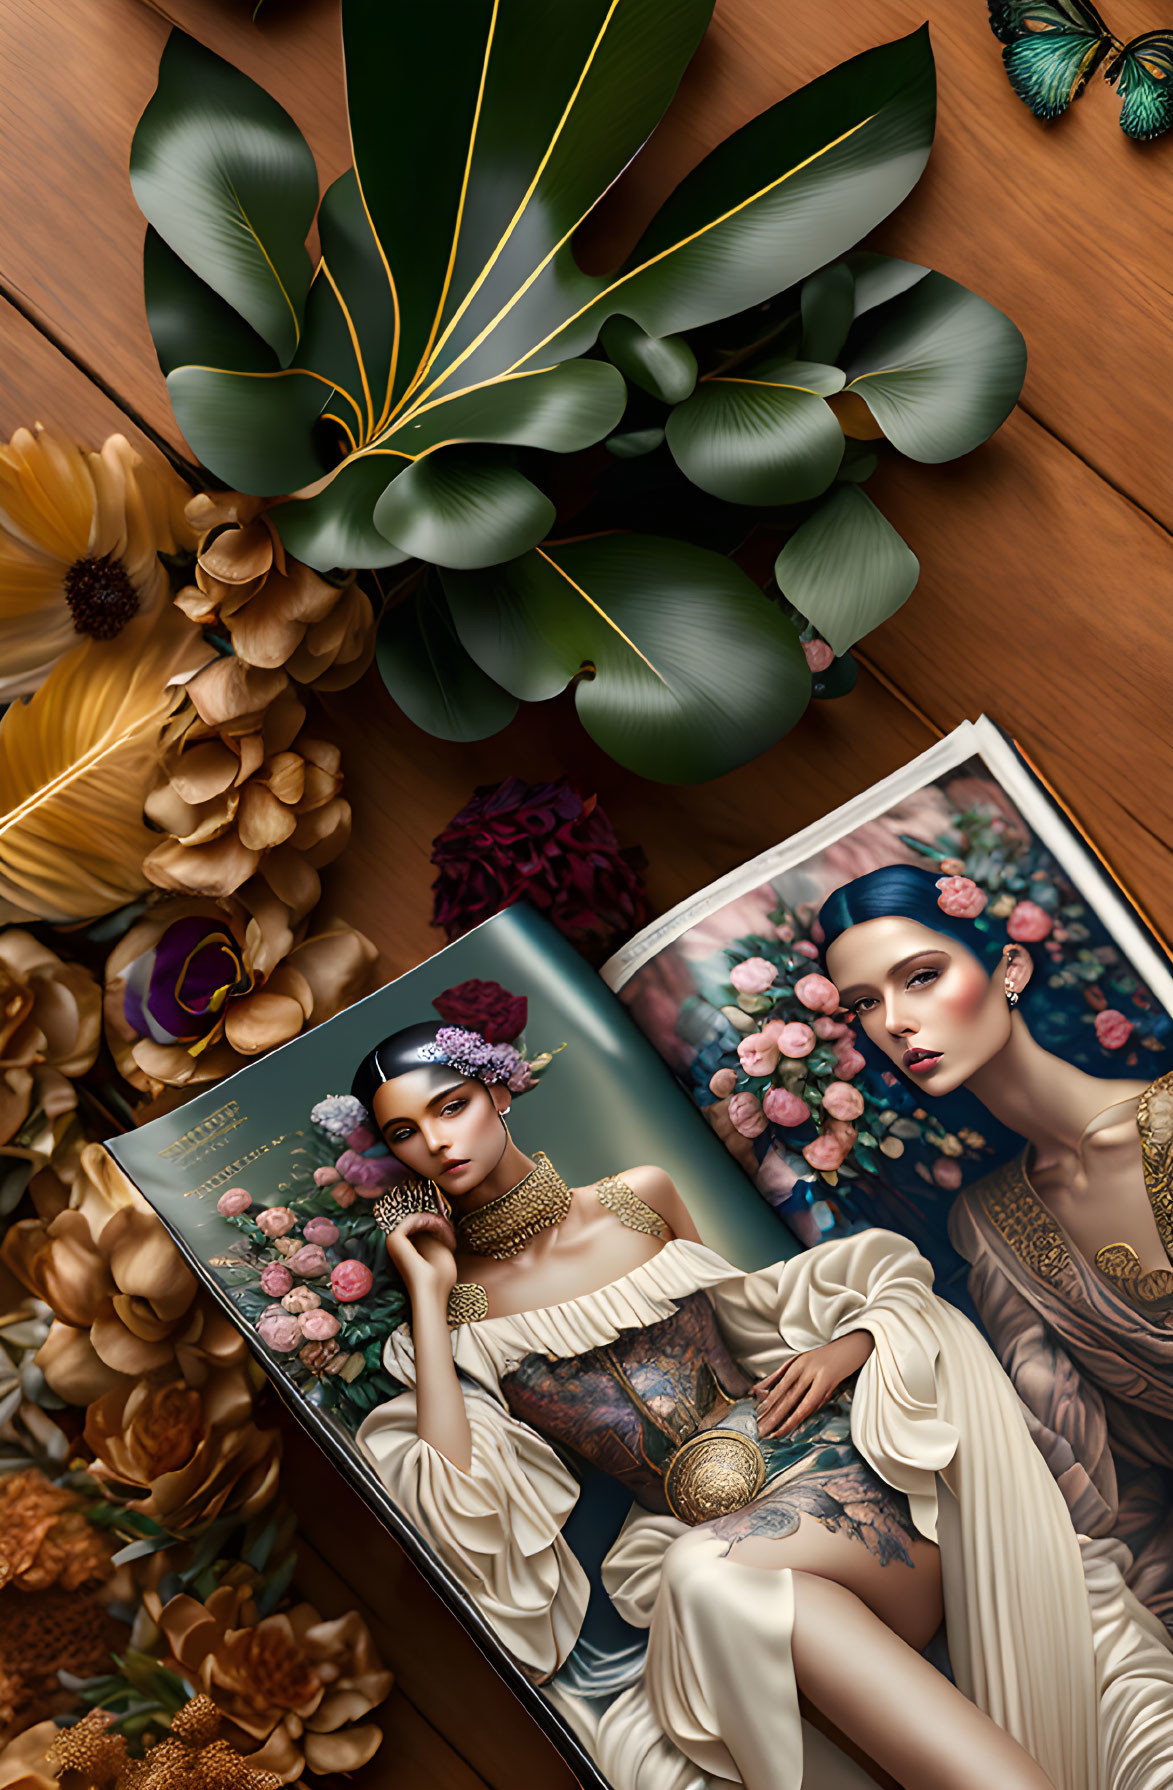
x=628 y=1406
x=832 y=1484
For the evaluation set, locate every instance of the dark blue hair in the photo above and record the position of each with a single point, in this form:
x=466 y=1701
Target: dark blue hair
x=908 y=892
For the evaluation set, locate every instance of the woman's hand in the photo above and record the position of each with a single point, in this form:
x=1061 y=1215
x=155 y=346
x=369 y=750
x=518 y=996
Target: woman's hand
x=421 y=1247
x=803 y=1385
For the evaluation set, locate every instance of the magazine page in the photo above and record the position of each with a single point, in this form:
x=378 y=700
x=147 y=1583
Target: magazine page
x=936 y=1013
x=270 y=1191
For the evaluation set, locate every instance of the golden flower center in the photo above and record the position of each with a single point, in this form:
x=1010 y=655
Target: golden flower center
x=100 y=595
x=275 y=1674
x=168 y=1432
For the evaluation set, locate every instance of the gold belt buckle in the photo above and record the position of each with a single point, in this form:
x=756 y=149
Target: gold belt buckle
x=715 y=1472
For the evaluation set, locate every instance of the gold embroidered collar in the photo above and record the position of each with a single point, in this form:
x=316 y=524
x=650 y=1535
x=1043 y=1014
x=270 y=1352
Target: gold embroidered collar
x=504 y=1226
x=1037 y=1239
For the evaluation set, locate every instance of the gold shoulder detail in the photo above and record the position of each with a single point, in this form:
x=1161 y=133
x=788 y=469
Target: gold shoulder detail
x=630 y=1210
x=1016 y=1210
x=1121 y=1264
x=468 y=1303
x=1154 y=1119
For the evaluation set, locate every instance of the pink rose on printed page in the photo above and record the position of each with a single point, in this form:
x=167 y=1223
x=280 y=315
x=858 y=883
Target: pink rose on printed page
x=960 y=897
x=275 y=1279
x=796 y=1039
x=753 y=976
x=818 y=993
x=843 y=1101
x=848 y=1063
x=1113 y=1029
x=235 y=1201
x=309 y=1261
x=321 y=1230
x=318 y=1325
x=722 y=1083
x=827 y=1151
x=746 y=1115
x=1029 y=924
x=276 y=1221
x=351 y=1280
x=782 y=1107
x=279 y=1329
x=757 y=1054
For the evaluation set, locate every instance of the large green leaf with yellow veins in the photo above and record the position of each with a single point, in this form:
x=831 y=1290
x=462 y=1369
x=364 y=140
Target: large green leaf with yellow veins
x=761 y=435
x=682 y=668
x=447 y=302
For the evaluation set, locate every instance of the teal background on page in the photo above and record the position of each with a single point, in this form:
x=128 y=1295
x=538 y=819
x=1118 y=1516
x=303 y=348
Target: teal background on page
x=606 y=1103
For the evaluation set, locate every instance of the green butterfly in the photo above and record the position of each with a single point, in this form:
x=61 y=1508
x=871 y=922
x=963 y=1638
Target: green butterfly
x=1054 y=47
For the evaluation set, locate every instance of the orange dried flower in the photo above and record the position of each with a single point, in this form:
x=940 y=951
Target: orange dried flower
x=45 y=1539
x=278 y=612
x=184 y=1455
x=292 y=1684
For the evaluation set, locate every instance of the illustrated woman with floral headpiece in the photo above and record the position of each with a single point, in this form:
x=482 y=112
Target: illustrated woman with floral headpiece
x=788 y=1529
x=1070 y=1244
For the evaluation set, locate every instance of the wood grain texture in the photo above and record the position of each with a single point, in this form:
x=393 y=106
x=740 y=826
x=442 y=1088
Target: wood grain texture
x=1069 y=649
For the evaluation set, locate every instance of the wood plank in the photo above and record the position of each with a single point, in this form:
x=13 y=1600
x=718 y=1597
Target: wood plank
x=1070 y=650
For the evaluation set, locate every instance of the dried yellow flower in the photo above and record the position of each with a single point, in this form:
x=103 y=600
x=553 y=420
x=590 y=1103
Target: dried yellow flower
x=80 y=538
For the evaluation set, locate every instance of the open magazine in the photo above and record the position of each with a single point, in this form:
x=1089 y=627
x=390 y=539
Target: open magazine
x=840 y=1151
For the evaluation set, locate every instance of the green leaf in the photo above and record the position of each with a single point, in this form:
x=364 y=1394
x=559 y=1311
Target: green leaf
x=682 y=668
x=255 y=430
x=564 y=408
x=665 y=366
x=878 y=278
x=632 y=444
x=442 y=294
x=431 y=676
x=788 y=192
x=187 y=317
x=337 y=526
x=828 y=301
x=762 y=437
x=560 y=408
x=453 y=510
x=518 y=118
x=941 y=370
x=228 y=181
x=845 y=568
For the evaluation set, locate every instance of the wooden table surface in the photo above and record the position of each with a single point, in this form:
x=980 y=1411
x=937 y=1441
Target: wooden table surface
x=1046 y=583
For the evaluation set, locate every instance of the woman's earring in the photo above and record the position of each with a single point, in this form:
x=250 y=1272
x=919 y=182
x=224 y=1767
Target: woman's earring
x=1011 y=993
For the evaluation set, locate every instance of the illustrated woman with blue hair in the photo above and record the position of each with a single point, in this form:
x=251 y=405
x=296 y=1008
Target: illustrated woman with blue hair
x=1070 y=1245
x=823 y=1458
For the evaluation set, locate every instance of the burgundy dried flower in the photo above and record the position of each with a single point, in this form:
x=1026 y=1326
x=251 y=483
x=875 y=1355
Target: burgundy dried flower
x=545 y=843
x=484 y=1007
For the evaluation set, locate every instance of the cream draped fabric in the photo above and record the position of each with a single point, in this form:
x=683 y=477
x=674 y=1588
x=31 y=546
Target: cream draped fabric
x=1043 y=1634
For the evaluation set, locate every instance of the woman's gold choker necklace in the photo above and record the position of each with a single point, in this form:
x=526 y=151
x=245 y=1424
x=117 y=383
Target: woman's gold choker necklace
x=504 y=1226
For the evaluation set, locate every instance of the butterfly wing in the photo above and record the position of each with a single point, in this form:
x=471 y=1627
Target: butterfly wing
x=1143 y=71
x=1051 y=49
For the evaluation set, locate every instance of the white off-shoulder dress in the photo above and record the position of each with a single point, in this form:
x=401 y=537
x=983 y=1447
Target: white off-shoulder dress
x=1043 y=1634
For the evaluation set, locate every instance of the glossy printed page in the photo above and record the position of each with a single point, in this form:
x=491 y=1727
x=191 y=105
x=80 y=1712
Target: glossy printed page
x=934 y=1013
